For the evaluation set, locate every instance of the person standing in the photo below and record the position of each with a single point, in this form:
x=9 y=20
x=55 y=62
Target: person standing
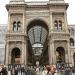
x=13 y=71
x=37 y=71
x=44 y=72
x=16 y=71
x=4 y=70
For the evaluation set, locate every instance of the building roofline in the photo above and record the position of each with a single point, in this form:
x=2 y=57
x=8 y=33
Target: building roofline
x=71 y=25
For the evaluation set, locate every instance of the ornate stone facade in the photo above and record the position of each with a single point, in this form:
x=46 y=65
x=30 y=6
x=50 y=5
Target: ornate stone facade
x=50 y=15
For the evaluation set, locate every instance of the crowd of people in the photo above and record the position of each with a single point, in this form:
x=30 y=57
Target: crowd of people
x=47 y=70
x=16 y=70
x=32 y=70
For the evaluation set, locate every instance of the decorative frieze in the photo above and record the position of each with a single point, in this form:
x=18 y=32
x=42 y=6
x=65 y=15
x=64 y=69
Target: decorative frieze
x=60 y=36
x=37 y=13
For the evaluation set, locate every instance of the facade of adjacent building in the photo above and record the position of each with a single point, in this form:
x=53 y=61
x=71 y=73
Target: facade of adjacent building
x=39 y=32
x=3 y=29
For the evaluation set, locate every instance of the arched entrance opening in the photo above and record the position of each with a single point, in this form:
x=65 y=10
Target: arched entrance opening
x=37 y=32
x=15 y=56
x=74 y=59
x=60 y=55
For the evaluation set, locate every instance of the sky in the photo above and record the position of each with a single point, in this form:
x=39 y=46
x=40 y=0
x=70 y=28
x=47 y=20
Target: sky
x=70 y=11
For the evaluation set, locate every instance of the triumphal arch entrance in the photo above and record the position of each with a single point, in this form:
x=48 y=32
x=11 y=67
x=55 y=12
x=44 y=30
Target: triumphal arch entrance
x=37 y=31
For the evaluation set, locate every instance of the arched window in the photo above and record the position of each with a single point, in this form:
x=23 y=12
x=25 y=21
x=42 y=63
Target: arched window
x=60 y=25
x=14 y=26
x=18 y=26
x=56 y=24
x=71 y=42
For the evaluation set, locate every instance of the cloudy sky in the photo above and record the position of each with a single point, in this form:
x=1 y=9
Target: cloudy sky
x=70 y=11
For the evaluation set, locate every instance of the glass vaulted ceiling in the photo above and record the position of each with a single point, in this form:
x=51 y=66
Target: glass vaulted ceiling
x=37 y=34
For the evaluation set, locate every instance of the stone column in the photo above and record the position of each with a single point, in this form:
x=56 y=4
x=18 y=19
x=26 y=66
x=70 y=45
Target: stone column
x=7 y=54
x=9 y=22
x=51 y=53
x=66 y=22
x=23 y=22
x=51 y=26
x=10 y=56
x=69 y=52
x=23 y=52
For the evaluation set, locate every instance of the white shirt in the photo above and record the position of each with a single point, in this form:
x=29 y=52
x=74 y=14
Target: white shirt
x=44 y=72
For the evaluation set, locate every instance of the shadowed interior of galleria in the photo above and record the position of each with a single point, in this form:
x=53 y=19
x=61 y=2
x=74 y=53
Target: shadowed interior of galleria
x=37 y=32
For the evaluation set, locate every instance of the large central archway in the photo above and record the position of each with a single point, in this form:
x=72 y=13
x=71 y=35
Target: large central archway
x=37 y=32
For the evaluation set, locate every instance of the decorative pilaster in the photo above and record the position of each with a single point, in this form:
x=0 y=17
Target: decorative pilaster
x=23 y=52
x=49 y=53
x=51 y=22
x=69 y=52
x=53 y=53
x=23 y=22
x=9 y=22
x=7 y=54
x=66 y=23
x=25 y=57
x=52 y=60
